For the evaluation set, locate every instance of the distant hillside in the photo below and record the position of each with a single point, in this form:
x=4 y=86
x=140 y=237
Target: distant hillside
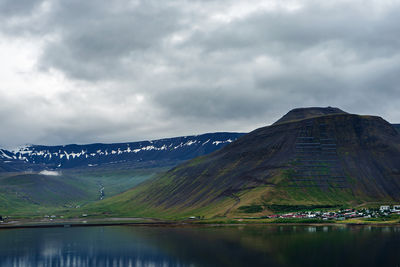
x=87 y=173
x=161 y=152
x=29 y=192
x=333 y=159
x=397 y=126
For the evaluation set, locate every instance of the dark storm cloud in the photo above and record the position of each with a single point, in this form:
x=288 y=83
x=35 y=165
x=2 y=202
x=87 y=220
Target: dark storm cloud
x=137 y=69
x=285 y=34
x=12 y=8
x=326 y=55
x=95 y=41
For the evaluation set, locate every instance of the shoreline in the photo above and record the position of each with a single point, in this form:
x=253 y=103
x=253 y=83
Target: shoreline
x=161 y=223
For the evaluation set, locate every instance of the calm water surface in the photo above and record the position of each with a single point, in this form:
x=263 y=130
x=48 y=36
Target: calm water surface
x=201 y=246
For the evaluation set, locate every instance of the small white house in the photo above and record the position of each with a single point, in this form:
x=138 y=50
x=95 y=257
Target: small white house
x=395 y=209
x=384 y=208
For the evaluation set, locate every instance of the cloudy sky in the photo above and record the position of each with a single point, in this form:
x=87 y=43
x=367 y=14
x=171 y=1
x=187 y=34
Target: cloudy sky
x=109 y=71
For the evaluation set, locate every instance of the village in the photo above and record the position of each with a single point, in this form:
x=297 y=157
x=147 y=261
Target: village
x=342 y=214
x=338 y=215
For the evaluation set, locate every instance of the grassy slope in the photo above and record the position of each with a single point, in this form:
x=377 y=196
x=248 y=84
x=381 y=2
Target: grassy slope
x=33 y=194
x=133 y=202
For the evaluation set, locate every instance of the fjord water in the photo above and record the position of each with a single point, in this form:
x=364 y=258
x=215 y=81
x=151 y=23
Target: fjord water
x=271 y=245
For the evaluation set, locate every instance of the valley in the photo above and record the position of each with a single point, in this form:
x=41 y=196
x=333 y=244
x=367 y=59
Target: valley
x=34 y=181
x=311 y=157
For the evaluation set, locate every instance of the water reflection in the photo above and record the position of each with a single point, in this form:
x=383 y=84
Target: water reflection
x=201 y=246
x=94 y=246
x=311 y=229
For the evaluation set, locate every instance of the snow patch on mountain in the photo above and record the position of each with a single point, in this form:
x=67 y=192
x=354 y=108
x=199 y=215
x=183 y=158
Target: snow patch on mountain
x=4 y=155
x=222 y=142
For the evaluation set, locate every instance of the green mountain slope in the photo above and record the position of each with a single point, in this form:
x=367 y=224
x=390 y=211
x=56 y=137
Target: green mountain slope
x=36 y=194
x=333 y=159
x=32 y=191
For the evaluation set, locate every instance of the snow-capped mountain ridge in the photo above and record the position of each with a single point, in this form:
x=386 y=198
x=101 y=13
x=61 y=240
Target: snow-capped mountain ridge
x=67 y=156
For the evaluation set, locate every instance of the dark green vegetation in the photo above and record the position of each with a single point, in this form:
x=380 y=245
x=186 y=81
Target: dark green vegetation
x=322 y=158
x=286 y=208
x=392 y=217
x=291 y=208
x=251 y=208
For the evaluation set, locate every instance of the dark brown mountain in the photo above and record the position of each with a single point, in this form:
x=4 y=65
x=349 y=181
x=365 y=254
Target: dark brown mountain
x=316 y=156
x=304 y=113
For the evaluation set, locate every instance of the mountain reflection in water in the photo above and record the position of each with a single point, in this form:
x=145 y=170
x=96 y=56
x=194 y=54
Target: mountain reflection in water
x=270 y=245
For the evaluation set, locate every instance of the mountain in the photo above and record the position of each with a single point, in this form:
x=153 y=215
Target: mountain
x=304 y=113
x=307 y=158
x=397 y=126
x=161 y=152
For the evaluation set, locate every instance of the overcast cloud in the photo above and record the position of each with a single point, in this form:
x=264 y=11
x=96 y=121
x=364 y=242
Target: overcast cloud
x=110 y=71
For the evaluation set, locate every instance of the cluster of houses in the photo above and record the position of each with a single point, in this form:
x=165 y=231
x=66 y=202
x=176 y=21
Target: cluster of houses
x=52 y=217
x=342 y=214
x=393 y=209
